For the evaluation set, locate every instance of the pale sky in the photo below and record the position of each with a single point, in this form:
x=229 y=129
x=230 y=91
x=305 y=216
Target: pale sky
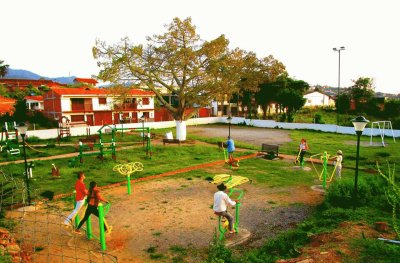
x=54 y=38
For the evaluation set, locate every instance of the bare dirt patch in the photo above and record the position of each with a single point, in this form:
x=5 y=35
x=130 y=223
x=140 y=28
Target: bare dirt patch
x=177 y=212
x=254 y=136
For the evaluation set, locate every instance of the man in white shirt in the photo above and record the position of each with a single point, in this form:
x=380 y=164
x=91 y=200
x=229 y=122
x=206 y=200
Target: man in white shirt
x=221 y=201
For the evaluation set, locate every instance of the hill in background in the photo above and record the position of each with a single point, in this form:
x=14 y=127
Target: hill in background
x=26 y=74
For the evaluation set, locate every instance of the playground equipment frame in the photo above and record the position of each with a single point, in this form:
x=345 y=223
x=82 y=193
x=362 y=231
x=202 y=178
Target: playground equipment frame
x=387 y=124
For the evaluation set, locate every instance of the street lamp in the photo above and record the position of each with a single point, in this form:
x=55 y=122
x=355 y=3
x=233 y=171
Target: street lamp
x=229 y=119
x=359 y=124
x=22 y=128
x=338 y=88
x=142 y=119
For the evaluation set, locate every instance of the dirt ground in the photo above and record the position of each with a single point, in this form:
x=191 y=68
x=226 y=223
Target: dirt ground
x=177 y=212
x=170 y=212
x=255 y=136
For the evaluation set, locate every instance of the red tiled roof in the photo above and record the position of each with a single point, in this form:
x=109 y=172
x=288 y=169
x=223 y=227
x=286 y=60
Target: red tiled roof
x=79 y=91
x=140 y=92
x=6 y=105
x=37 y=98
x=26 y=82
x=4 y=100
x=83 y=80
x=97 y=91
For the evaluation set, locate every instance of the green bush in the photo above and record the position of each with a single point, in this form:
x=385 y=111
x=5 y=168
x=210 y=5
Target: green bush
x=372 y=250
x=370 y=193
x=318 y=118
x=32 y=138
x=218 y=253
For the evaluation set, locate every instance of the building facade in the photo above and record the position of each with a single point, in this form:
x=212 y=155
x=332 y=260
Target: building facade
x=95 y=106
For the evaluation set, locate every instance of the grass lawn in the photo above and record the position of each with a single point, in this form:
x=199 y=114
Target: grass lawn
x=327 y=217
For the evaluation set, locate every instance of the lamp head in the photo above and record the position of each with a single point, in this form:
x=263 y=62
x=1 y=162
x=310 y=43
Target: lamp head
x=359 y=123
x=22 y=128
x=229 y=119
x=142 y=118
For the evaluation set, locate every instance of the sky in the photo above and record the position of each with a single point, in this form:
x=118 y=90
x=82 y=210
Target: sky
x=54 y=38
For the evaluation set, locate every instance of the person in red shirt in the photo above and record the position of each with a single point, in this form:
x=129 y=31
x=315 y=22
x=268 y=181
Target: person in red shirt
x=94 y=199
x=80 y=196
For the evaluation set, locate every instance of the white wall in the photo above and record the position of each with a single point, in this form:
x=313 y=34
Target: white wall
x=81 y=131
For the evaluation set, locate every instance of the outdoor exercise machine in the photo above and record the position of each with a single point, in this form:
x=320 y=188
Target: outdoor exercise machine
x=127 y=170
x=230 y=182
x=323 y=175
x=234 y=163
x=103 y=211
x=297 y=160
x=381 y=125
x=146 y=138
x=64 y=129
x=103 y=146
x=9 y=139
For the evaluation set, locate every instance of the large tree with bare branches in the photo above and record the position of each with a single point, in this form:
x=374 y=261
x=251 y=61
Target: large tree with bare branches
x=176 y=62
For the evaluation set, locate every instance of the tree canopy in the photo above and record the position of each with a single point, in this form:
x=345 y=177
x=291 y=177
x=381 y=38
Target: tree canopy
x=180 y=63
x=3 y=69
x=176 y=62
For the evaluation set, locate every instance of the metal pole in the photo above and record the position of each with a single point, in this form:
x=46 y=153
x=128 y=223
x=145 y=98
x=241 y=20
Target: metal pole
x=143 y=131
x=356 y=176
x=338 y=93
x=26 y=170
x=229 y=129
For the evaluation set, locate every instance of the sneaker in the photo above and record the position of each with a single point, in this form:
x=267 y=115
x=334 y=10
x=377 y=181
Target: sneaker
x=232 y=232
x=77 y=231
x=67 y=222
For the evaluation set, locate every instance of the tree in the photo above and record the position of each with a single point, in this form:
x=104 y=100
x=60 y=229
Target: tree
x=256 y=73
x=361 y=92
x=3 y=69
x=291 y=95
x=343 y=102
x=21 y=111
x=177 y=61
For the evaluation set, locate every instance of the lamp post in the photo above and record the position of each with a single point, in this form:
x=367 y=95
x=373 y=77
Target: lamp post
x=121 y=120
x=359 y=124
x=338 y=89
x=22 y=128
x=229 y=119
x=142 y=119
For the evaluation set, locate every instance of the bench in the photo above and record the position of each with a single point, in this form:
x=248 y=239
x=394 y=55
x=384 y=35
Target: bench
x=171 y=141
x=270 y=151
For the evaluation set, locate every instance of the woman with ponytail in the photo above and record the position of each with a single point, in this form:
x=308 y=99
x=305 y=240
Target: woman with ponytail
x=93 y=198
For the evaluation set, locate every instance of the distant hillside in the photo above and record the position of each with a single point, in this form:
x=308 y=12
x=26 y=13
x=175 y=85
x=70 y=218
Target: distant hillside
x=26 y=74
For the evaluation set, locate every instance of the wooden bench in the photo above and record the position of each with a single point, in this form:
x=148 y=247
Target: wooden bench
x=176 y=141
x=270 y=151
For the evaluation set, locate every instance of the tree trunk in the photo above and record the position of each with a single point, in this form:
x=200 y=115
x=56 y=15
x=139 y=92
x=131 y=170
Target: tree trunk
x=181 y=130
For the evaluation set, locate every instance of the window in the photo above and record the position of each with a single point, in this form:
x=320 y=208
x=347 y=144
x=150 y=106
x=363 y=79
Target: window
x=77 y=118
x=146 y=101
x=103 y=101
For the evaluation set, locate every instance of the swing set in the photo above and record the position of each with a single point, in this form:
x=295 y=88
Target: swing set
x=230 y=182
x=323 y=176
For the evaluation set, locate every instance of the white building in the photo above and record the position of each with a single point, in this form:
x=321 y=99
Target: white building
x=318 y=99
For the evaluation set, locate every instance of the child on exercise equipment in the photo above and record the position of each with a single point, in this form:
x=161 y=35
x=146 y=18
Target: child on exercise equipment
x=221 y=201
x=338 y=159
x=303 y=148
